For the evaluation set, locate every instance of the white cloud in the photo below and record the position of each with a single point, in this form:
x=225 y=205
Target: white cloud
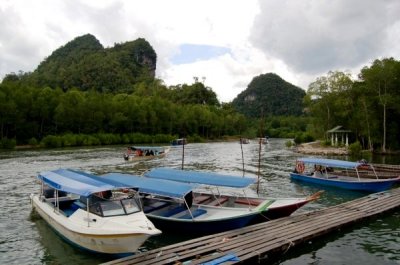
x=316 y=36
x=298 y=40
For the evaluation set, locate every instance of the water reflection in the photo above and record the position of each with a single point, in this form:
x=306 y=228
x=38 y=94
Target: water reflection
x=57 y=251
x=375 y=242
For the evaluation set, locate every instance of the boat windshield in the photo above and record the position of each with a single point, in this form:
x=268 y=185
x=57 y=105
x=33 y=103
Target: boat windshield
x=115 y=208
x=130 y=205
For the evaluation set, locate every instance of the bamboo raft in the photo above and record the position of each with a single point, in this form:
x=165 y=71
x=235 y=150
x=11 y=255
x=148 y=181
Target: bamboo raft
x=258 y=242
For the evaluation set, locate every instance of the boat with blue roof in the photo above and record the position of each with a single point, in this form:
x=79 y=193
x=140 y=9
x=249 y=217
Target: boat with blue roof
x=340 y=174
x=172 y=201
x=97 y=216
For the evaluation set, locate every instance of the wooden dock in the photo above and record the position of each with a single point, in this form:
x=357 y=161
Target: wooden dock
x=257 y=242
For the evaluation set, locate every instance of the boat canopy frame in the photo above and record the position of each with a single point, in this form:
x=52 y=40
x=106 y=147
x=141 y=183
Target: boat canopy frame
x=203 y=178
x=157 y=187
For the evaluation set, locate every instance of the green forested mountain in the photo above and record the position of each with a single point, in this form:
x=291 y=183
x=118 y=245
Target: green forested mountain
x=85 y=64
x=270 y=95
x=83 y=89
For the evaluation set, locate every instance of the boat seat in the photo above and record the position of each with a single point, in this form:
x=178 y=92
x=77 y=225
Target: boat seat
x=195 y=214
x=201 y=199
x=248 y=202
x=154 y=206
x=172 y=211
x=218 y=201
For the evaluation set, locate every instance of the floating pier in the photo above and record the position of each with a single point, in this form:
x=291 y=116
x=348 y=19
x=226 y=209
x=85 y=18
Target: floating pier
x=258 y=242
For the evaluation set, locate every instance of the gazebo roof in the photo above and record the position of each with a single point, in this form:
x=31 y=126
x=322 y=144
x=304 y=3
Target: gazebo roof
x=338 y=129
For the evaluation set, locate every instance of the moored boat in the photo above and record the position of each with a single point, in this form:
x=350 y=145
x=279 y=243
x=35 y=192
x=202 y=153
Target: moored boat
x=340 y=174
x=138 y=153
x=91 y=214
x=172 y=204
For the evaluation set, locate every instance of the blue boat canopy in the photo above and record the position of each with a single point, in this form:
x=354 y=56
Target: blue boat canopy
x=151 y=186
x=206 y=178
x=330 y=162
x=75 y=182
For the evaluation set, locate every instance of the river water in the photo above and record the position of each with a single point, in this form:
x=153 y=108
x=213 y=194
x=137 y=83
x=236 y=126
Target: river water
x=27 y=239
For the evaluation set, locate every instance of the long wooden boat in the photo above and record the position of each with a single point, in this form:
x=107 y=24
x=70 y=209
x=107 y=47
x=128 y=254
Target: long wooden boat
x=140 y=153
x=71 y=203
x=173 y=205
x=340 y=174
x=382 y=170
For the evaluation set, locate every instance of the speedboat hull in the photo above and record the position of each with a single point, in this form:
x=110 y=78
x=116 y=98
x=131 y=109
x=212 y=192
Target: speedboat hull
x=100 y=236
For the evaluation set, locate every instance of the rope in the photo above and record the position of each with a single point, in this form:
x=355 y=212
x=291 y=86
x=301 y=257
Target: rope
x=291 y=244
x=266 y=218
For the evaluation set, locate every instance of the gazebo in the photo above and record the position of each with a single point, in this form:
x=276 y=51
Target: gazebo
x=339 y=134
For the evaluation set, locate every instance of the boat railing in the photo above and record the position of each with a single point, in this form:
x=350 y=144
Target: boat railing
x=60 y=199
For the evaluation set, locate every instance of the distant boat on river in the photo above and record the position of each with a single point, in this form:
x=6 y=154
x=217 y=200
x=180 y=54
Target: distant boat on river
x=139 y=153
x=180 y=141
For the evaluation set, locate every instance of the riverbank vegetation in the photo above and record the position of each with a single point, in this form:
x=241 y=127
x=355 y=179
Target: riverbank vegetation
x=369 y=106
x=54 y=117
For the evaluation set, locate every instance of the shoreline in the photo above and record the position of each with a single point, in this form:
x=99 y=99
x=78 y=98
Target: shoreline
x=315 y=148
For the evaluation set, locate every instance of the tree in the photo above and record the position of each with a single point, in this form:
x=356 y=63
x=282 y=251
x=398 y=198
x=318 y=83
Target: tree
x=7 y=111
x=328 y=100
x=382 y=78
x=70 y=111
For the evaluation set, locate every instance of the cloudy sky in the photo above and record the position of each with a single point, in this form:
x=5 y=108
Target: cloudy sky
x=224 y=43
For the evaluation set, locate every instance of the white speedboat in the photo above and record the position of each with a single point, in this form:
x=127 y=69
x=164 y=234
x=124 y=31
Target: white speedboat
x=91 y=214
